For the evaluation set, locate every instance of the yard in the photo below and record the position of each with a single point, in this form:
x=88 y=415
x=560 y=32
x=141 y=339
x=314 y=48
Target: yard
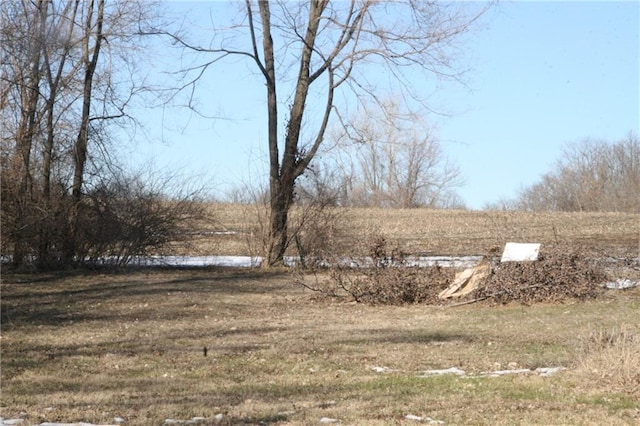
x=97 y=347
x=245 y=346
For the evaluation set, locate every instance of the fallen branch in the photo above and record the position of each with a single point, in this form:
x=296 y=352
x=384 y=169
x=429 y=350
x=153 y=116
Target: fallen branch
x=468 y=302
x=498 y=293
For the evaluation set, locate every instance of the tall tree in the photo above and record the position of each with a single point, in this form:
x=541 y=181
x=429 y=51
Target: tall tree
x=326 y=48
x=68 y=68
x=91 y=45
x=60 y=78
x=25 y=81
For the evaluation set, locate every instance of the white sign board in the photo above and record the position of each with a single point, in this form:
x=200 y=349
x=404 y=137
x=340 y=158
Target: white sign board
x=520 y=252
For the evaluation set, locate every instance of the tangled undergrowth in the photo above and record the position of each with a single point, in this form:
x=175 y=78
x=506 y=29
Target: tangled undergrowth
x=384 y=278
x=560 y=274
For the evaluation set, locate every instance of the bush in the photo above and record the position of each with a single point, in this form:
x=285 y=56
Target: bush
x=130 y=216
x=122 y=217
x=384 y=277
x=35 y=227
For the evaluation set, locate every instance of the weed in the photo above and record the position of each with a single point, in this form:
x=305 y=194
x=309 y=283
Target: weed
x=611 y=357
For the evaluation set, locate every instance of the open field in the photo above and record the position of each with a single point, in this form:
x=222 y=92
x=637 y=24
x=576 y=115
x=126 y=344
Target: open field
x=91 y=347
x=95 y=346
x=430 y=232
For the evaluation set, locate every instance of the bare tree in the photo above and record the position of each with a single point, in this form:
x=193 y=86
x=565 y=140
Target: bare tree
x=398 y=161
x=325 y=49
x=592 y=175
x=91 y=43
x=23 y=86
x=57 y=97
x=60 y=59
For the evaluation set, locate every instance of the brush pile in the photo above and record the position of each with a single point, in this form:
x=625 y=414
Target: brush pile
x=559 y=274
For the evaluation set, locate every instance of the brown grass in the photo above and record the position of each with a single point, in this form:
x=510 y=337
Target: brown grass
x=89 y=347
x=434 y=232
x=611 y=357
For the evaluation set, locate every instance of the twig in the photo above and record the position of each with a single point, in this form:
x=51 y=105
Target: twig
x=318 y=289
x=468 y=302
x=498 y=293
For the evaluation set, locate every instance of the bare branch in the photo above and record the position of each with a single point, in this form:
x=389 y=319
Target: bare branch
x=320 y=46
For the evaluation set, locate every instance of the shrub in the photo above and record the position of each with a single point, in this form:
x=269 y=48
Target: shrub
x=124 y=216
x=384 y=277
x=132 y=215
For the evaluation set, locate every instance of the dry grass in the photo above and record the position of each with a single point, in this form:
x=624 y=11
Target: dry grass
x=435 y=232
x=91 y=347
x=612 y=357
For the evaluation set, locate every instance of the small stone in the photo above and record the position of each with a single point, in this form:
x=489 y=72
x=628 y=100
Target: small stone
x=11 y=421
x=548 y=371
x=453 y=370
x=413 y=417
x=381 y=369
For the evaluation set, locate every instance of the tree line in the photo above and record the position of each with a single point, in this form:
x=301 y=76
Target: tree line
x=591 y=175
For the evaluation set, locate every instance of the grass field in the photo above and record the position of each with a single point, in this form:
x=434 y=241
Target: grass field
x=94 y=346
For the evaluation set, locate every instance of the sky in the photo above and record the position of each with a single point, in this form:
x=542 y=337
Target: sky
x=541 y=75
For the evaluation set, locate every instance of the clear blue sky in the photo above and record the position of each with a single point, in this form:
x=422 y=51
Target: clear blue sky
x=543 y=74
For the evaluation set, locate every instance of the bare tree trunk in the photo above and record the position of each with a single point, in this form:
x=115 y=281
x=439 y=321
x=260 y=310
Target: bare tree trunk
x=44 y=232
x=90 y=60
x=56 y=85
x=283 y=177
x=278 y=209
x=26 y=131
